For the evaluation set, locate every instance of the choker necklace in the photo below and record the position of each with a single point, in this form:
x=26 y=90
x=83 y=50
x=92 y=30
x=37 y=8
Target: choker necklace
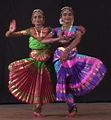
x=39 y=34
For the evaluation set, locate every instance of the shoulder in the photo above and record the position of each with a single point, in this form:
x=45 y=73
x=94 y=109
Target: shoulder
x=47 y=28
x=81 y=29
x=30 y=30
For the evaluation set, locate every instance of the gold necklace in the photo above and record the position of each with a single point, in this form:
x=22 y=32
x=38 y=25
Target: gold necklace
x=68 y=31
x=39 y=34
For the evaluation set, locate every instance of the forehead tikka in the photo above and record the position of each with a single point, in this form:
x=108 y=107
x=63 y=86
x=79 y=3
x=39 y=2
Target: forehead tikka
x=66 y=8
x=38 y=11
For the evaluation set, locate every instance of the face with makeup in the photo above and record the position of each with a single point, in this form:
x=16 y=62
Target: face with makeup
x=38 y=18
x=67 y=16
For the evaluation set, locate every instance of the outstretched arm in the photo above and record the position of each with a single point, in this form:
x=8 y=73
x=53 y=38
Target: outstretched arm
x=11 y=32
x=49 y=39
x=16 y=34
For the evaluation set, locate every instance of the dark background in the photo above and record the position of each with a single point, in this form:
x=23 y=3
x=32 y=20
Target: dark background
x=94 y=15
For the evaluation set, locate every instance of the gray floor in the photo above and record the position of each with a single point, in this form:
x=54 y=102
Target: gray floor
x=56 y=111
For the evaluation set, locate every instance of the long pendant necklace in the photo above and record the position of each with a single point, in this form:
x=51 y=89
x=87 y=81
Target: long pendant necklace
x=67 y=31
x=39 y=34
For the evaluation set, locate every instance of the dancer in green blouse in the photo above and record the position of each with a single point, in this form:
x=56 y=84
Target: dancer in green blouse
x=29 y=78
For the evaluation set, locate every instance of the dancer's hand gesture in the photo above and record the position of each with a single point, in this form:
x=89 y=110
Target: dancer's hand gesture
x=12 y=26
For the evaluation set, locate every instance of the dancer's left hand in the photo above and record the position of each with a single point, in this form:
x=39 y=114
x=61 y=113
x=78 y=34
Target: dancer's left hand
x=64 y=56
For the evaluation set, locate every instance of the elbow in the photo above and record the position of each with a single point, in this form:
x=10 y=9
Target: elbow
x=7 y=34
x=82 y=29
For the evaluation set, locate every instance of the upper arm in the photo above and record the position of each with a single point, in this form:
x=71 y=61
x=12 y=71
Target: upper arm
x=81 y=29
x=80 y=32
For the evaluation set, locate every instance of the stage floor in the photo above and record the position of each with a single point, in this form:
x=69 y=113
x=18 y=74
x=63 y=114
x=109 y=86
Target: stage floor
x=56 y=111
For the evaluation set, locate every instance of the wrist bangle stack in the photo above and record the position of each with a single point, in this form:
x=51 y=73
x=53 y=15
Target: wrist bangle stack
x=67 y=49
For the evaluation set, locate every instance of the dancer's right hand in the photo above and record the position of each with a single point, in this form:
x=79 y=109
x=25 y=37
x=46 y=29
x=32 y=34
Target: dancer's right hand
x=12 y=26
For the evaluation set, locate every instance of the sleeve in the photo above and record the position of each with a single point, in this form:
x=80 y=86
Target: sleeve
x=81 y=29
x=28 y=31
x=54 y=32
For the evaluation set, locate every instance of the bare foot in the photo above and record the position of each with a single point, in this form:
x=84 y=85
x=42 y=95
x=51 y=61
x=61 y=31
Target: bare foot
x=37 y=114
x=72 y=114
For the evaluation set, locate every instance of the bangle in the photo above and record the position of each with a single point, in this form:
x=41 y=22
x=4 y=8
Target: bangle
x=67 y=49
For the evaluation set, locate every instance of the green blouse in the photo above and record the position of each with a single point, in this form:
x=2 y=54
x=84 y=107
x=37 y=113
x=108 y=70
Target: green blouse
x=35 y=44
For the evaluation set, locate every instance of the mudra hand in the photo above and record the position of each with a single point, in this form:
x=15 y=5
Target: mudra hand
x=12 y=26
x=64 y=56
